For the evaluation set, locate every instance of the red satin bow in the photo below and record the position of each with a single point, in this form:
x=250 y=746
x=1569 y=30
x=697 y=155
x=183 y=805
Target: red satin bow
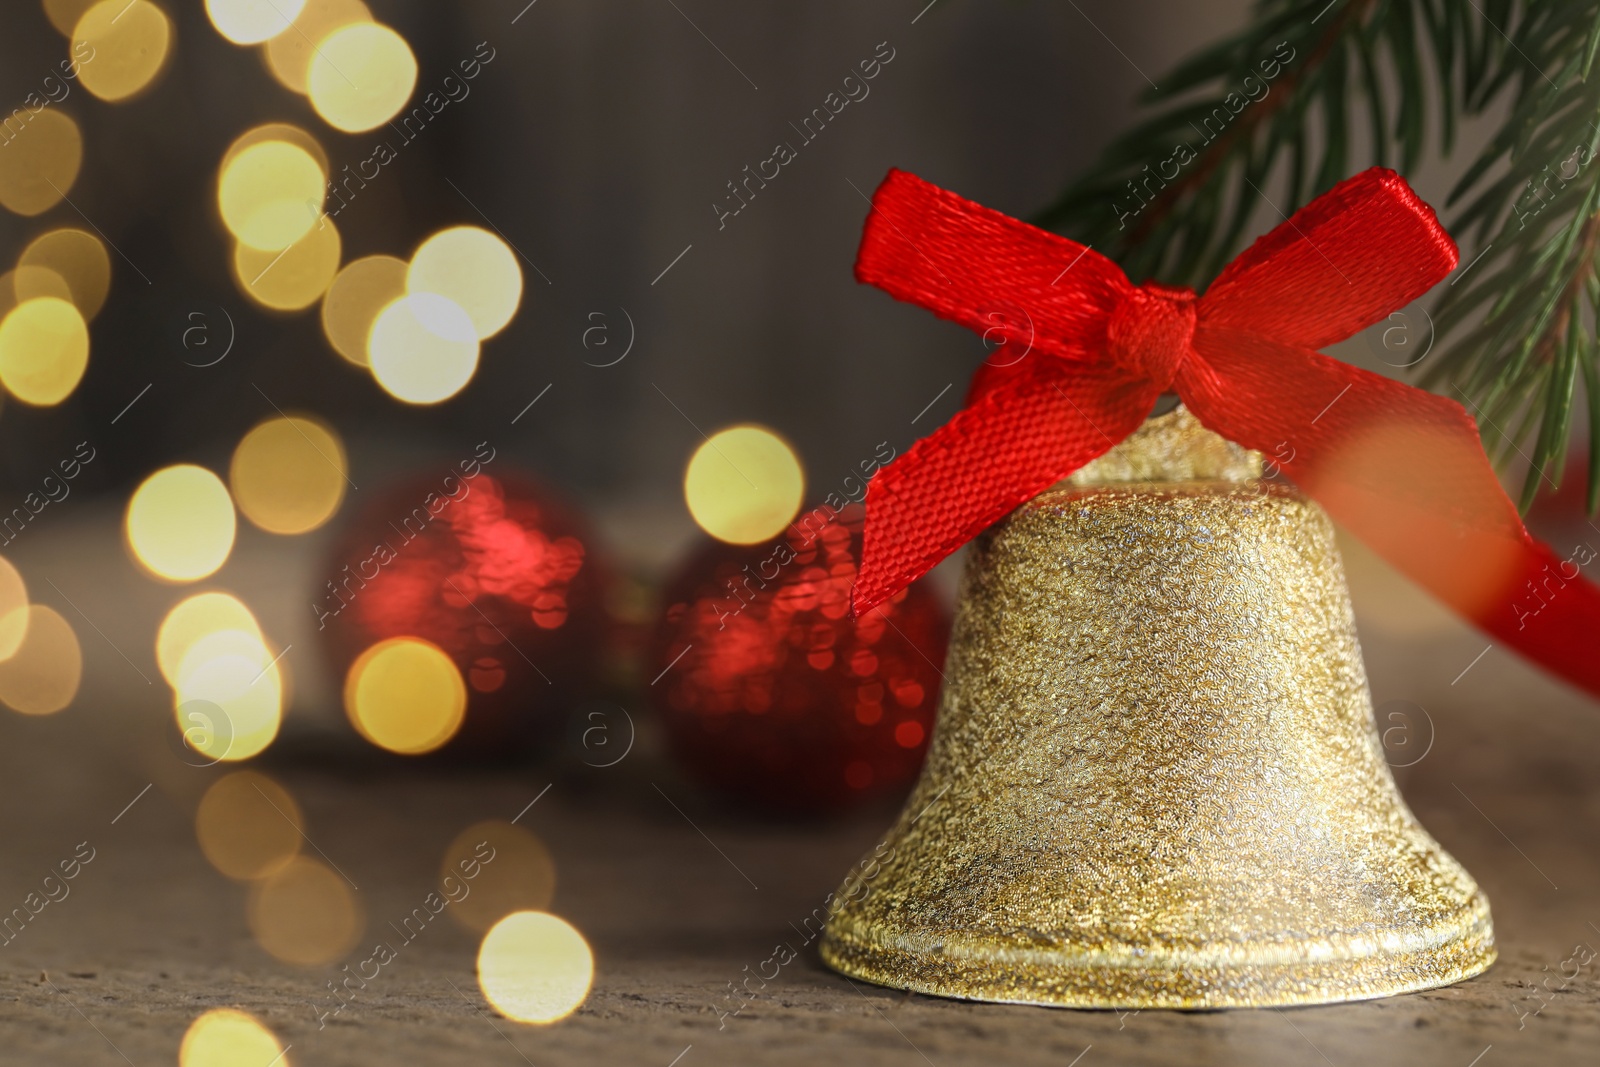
x=1401 y=468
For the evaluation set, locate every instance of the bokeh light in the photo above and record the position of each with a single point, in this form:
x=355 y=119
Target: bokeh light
x=38 y=167
x=13 y=609
x=235 y=674
x=129 y=40
x=519 y=876
x=195 y=617
x=243 y=642
x=44 y=349
x=475 y=269
x=304 y=913
x=423 y=348
x=78 y=258
x=361 y=75
x=64 y=14
x=534 y=967
x=8 y=293
x=289 y=54
x=277 y=131
x=227 y=1037
x=362 y=289
x=41 y=677
x=294 y=278
x=271 y=194
x=288 y=474
x=252 y=21
x=405 y=695
x=30 y=282
x=248 y=826
x=744 y=485
x=180 y=523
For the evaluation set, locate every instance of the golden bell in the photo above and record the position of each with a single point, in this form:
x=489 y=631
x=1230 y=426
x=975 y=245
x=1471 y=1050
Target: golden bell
x=1156 y=780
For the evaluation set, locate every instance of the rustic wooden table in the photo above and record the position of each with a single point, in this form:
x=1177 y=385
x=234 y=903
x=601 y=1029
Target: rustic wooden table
x=677 y=904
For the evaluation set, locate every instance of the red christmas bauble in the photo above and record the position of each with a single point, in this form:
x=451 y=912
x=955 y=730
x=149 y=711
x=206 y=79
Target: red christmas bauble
x=499 y=574
x=772 y=694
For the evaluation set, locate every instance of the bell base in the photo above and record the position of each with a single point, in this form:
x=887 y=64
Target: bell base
x=962 y=966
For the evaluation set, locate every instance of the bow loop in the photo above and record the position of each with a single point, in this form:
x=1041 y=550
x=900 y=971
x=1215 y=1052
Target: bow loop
x=1151 y=332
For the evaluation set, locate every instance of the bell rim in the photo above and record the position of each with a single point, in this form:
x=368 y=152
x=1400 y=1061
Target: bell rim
x=1461 y=948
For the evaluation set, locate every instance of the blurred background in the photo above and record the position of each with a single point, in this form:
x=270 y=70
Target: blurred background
x=597 y=146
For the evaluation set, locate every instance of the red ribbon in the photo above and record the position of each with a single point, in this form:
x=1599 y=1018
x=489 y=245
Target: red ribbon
x=1086 y=353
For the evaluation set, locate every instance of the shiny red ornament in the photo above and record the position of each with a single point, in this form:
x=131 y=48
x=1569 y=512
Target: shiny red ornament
x=773 y=695
x=496 y=571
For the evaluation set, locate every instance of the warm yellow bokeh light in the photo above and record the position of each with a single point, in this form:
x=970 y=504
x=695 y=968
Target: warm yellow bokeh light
x=304 y=913
x=423 y=348
x=8 y=293
x=474 y=268
x=13 y=609
x=271 y=194
x=226 y=1037
x=77 y=257
x=244 y=642
x=193 y=618
x=180 y=523
x=359 y=291
x=44 y=349
x=289 y=54
x=252 y=21
x=39 y=163
x=534 y=967
x=361 y=76
x=232 y=676
x=509 y=868
x=31 y=282
x=744 y=485
x=277 y=131
x=64 y=14
x=294 y=278
x=406 y=695
x=288 y=474
x=42 y=676
x=248 y=826
x=129 y=40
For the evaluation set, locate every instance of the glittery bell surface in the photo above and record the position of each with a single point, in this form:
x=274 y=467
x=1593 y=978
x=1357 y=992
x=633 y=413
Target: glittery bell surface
x=1155 y=780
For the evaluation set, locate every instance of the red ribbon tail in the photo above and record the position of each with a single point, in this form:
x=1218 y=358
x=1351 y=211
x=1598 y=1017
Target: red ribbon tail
x=1011 y=445
x=1555 y=615
x=1404 y=471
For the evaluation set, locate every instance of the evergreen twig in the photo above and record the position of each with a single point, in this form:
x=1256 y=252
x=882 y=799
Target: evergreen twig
x=1278 y=97
x=1523 y=329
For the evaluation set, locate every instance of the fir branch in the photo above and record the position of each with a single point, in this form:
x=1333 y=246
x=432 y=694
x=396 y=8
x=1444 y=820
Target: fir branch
x=1520 y=321
x=1523 y=330
x=1171 y=198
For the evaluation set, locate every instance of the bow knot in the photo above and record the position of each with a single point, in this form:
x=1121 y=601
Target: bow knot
x=1150 y=332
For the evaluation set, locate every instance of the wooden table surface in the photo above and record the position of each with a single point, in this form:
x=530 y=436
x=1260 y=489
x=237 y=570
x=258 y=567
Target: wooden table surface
x=151 y=935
